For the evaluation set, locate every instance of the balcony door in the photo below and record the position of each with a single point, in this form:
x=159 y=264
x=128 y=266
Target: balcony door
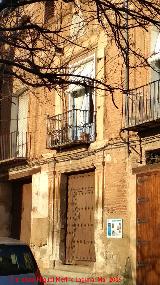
x=18 y=126
x=154 y=61
x=82 y=112
x=81 y=101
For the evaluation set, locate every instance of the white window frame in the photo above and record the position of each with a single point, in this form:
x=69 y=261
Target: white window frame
x=155 y=47
x=16 y=126
x=78 y=64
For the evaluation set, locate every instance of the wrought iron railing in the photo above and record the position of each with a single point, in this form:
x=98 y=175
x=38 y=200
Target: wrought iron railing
x=13 y=145
x=71 y=127
x=142 y=105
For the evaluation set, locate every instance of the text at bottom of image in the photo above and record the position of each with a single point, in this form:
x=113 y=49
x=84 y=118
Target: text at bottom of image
x=65 y=280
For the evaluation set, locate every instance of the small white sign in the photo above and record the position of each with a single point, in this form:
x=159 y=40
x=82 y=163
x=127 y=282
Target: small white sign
x=114 y=228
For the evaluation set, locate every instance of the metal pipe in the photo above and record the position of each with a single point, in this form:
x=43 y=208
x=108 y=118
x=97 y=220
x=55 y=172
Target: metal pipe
x=126 y=3
x=126 y=47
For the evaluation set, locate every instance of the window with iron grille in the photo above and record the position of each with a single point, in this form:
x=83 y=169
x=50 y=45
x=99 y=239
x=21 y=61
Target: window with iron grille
x=77 y=123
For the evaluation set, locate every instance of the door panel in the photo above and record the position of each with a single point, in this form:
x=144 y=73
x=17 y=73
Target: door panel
x=148 y=229
x=80 y=219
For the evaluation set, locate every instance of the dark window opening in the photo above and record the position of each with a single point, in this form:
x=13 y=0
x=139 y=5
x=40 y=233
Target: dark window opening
x=153 y=156
x=49 y=10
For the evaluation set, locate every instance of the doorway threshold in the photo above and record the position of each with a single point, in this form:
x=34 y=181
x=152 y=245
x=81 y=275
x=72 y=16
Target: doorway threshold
x=74 y=268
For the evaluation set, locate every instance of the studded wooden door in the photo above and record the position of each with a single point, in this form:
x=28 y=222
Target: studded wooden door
x=148 y=229
x=80 y=219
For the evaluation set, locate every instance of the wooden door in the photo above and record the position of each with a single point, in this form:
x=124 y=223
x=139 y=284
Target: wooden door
x=80 y=219
x=148 y=229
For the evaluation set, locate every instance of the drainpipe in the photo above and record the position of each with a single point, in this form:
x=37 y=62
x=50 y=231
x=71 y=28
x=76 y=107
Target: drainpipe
x=126 y=36
x=127 y=47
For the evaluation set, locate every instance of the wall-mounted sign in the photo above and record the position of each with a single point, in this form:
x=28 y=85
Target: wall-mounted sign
x=114 y=228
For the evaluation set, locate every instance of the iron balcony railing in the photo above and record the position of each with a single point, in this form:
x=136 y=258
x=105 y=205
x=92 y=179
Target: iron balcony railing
x=71 y=127
x=13 y=146
x=142 y=105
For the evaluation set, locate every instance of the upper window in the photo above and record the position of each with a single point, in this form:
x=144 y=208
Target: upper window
x=77 y=28
x=82 y=71
x=19 y=124
x=155 y=46
x=49 y=10
x=154 y=59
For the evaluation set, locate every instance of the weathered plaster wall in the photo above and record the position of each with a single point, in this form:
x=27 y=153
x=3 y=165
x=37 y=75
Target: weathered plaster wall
x=39 y=217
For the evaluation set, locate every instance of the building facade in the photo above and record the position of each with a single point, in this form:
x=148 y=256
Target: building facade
x=75 y=161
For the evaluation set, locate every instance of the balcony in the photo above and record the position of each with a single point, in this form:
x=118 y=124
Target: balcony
x=71 y=128
x=142 y=107
x=13 y=146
